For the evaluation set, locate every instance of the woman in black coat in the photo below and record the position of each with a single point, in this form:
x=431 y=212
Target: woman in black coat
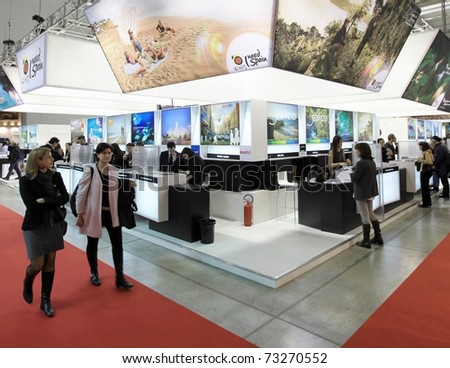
x=43 y=192
x=365 y=188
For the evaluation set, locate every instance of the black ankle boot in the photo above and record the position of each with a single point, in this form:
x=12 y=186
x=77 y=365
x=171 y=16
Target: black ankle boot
x=122 y=283
x=28 y=286
x=365 y=243
x=47 y=285
x=95 y=279
x=46 y=306
x=377 y=239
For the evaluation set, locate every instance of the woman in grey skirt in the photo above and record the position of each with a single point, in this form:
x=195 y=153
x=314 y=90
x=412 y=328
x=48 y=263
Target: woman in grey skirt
x=43 y=193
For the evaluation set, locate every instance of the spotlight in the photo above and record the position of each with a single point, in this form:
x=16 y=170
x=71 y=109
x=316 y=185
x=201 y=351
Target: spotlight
x=37 y=18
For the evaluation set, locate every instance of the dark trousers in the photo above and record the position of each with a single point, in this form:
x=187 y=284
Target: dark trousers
x=445 y=186
x=425 y=188
x=13 y=166
x=115 y=235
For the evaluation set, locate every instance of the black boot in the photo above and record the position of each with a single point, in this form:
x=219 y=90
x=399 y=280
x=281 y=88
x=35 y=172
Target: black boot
x=365 y=243
x=28 y=286
x=47 y=285
x=377 y=239
x=118 y=265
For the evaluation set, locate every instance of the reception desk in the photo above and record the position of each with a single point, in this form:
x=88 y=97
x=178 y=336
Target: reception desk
x=187 y=205
x=330 y=206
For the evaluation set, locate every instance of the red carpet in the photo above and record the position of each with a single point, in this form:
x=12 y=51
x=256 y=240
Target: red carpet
x=92 y=317
x=417 y=314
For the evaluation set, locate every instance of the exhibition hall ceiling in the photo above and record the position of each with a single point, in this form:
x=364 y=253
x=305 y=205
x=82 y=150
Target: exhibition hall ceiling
x=268 y=84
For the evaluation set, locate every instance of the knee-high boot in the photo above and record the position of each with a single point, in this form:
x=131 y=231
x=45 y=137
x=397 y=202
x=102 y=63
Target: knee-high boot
x=47 y=285
x=377 y=239
x=118 y=265
x=365 y=243
x=28 y=285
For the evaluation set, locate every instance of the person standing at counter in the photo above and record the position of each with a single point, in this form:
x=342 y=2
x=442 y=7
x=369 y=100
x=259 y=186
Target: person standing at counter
x=42 y=190
x=391 y=147
x=97 y=207
x=195 y=167
x=169 y=160
x=336 y=157
x=364 y=178
x=128 y=158
x=425 y=163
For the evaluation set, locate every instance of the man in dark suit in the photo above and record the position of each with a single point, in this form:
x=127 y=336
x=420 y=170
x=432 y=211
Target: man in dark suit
x=52 y=145
x=169 y=160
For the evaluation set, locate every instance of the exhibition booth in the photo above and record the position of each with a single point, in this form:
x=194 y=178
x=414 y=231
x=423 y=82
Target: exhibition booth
x=251 y=113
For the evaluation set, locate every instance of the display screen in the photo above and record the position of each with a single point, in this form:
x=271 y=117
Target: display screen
x=116 y=128
x=160 y=42
x=344 y=125
x=282 y=123
x=8 y=94
x=76 y=129
x=365 y=126
x=349 y=42
x=430 y=84
x=94 y=130
x=220 y=124
x=412 y=123
x=143 y=127
x=317 y=125
x=176 y=126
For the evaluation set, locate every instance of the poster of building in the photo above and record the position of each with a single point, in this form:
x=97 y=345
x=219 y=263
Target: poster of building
x=365 y=126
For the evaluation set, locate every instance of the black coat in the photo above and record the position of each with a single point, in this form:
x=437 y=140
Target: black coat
x=165 y=165
x=32 y=189
x=441 y=159
x=364 y=179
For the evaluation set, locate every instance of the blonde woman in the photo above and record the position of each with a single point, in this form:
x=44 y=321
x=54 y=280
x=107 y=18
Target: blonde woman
x=42 y=190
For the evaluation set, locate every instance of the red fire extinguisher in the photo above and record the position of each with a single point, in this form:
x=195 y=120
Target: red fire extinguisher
x=248 y=210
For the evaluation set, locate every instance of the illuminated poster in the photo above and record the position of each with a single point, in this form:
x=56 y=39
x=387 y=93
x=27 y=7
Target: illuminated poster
x=412 y=123
x=115 y=129
x=420 y=129
x=365 y=126
x=317 y=125
x=143 y=127
x=94 y=130
x=428 y=129
x=344 y=125
x=32 y=135
x=219 y=124
x=430 y=84
x=8 y=94
x=176 y=126
x=161 y=42
x=352 y=42
x=436 y=128
x=282 y=123
x=76 y=129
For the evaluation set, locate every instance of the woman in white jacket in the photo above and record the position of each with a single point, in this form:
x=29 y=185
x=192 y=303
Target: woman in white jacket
x=96 y=203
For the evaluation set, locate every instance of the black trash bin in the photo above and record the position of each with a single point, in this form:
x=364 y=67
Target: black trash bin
x=207 y=230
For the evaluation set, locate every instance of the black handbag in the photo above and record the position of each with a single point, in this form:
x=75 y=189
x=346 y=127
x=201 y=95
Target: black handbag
x=63 y=223
x=126 y=205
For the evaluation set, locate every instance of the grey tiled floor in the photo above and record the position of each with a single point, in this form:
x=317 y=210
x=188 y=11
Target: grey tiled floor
x=321 y=308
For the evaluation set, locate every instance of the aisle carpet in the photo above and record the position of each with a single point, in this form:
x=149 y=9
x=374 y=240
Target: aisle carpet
x=417 y=314
x=89 y=316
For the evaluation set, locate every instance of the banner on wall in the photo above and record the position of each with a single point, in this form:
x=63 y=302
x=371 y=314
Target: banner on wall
x=31 y=62
x=94 y=130
x=219 y=124
x=172 y=41
x=176 y=126
x=344 y=125
x=116 y=128
x=365 y=126
x=282 y=123
x=317 y=125
x=349 y=42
